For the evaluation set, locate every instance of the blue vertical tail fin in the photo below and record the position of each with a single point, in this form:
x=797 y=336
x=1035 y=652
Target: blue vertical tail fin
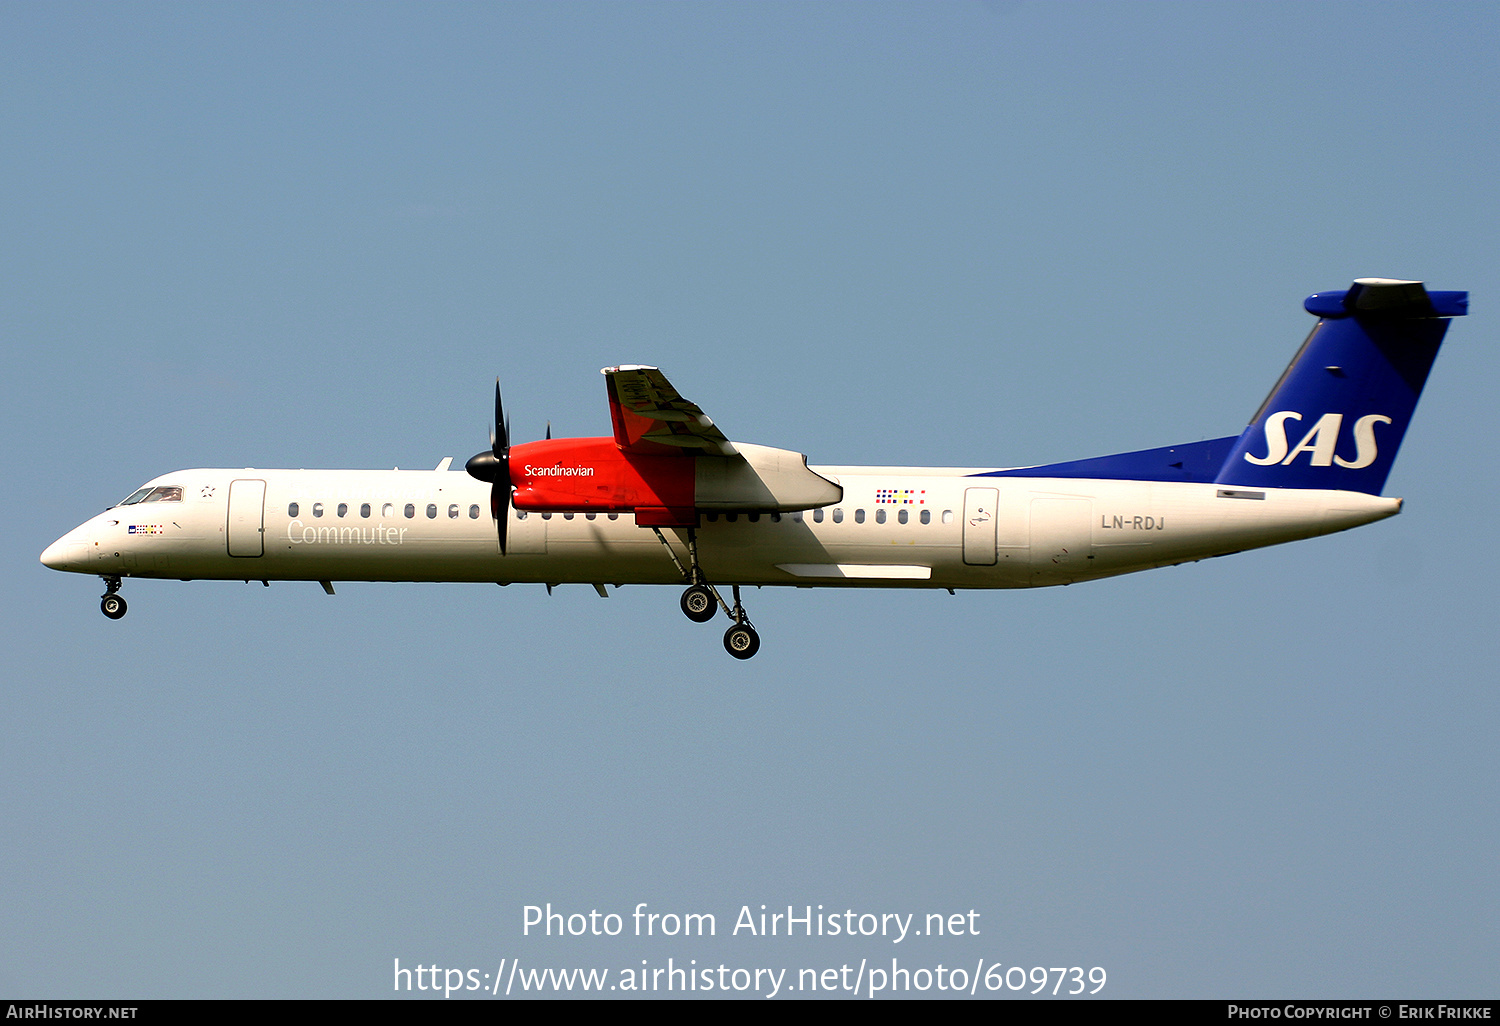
x=1340 y=410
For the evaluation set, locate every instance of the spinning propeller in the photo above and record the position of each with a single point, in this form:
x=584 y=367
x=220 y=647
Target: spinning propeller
x=494 y=467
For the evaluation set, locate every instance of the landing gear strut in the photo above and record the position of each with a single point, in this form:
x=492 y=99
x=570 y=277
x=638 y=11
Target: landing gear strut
x=112 y=604
x=701 y=601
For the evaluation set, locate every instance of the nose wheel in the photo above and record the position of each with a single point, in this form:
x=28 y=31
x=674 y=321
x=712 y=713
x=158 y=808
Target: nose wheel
x=112 y=604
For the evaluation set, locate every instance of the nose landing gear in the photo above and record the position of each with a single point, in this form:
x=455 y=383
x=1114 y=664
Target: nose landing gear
x=112 y=604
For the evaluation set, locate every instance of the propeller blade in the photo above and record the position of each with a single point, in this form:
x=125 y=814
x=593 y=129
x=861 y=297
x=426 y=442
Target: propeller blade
x=500 y=445
x=500 y=508
x=500 y=437
x=494 y=467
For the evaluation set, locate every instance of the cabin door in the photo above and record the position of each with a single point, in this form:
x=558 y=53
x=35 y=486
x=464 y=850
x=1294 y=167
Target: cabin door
x=246 y=530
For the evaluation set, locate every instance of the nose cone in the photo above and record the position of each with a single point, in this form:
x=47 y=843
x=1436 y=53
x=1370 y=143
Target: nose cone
x=53 y=555
x=67 y=553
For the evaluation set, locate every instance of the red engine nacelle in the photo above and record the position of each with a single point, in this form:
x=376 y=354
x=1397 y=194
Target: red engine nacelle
x=592 y=474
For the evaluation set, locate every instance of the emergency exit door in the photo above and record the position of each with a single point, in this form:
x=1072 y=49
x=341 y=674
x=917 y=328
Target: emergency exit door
x=980 y=506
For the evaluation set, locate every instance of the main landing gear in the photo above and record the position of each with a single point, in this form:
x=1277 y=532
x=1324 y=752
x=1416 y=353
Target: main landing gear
x=112 y=604
x=702 y=601
x=741 y=640
x=700 y=604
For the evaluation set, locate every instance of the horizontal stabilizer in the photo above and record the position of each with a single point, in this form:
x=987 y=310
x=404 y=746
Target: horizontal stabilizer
x=1387 y=297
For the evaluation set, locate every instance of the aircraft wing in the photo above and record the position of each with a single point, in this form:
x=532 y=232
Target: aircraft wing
x=651 y=418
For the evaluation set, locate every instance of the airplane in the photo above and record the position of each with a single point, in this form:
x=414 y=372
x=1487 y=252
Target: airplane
x=669 y=499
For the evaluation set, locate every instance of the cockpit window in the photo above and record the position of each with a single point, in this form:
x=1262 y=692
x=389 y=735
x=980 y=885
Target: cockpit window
x=164 y=493
x=135 y=496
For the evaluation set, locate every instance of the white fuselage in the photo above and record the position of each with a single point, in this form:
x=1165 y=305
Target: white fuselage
x=977 y=532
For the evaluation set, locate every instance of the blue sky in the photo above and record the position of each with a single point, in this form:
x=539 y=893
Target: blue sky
x=963 y=234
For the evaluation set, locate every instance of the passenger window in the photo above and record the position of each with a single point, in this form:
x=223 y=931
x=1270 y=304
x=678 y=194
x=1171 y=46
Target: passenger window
x=520 y=514
x=317 y=509
x=880 y=516
x=859 y=516
x=926 y=516
x=712 y=518
x=547 y=515
x=431 y=511
x=754 y=518
x=947 y=516
x=817 y=516
x=473 y=512
x=775 y=518
x=838 y=516
x=388 y=510
x=797 y=517
x=731 y=517
x=453 y=511
x=364 y=509
x=343 y=509
x=901 y=516
x=567 y=516
x=614 y=516
x=291 y=509
x=411 y=510
x=590 y=516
